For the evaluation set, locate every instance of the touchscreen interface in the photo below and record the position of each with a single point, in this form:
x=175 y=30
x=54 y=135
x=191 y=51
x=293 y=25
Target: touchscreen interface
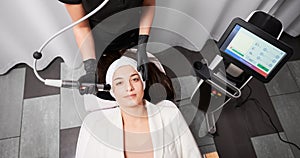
x=252 y=51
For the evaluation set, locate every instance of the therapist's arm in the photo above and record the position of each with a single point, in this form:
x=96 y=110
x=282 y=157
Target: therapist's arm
x=147 y=17
x=85 y=42
x=82 y=31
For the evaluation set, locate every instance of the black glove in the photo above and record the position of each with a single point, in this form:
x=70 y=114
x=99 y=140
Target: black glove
x=142 y=58
x=90 y=66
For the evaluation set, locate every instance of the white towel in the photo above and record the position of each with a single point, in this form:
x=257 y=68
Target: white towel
x=123 y=61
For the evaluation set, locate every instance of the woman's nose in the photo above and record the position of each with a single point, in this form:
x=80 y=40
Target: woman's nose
x=129 y=86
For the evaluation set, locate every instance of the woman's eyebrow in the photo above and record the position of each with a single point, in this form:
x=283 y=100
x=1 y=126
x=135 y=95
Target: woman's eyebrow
x=118 y=78
x=133 y=74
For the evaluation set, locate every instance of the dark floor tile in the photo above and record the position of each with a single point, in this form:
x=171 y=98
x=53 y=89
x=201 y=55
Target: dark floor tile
x=237 y=125
x=184 y=86
x=195 y=118
x=9 y=148
x=68 y=142
x=270 y=146
x=40 y=127
x=295 y=67
x=207 y=149
x=11 y=102
x=282 y=83
x=287 y=108
x=72 y=104
x=35 y=88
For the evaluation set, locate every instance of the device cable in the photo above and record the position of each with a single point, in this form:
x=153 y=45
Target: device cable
x=257 y=103
x=38 y=55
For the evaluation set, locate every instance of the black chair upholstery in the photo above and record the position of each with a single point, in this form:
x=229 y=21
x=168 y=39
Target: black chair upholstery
x=267 y=23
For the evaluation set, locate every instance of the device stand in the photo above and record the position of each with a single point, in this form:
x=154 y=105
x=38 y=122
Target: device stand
x=272 y=26
x=206 y=73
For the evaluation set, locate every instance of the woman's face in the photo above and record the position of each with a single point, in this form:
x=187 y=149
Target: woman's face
x=127 y=86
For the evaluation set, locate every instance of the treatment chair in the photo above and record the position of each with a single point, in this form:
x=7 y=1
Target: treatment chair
x=266 y=22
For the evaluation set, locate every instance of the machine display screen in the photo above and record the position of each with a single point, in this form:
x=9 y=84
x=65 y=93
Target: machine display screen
x=252 y=51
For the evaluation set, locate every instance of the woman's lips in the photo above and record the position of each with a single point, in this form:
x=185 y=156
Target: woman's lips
x=130 y=96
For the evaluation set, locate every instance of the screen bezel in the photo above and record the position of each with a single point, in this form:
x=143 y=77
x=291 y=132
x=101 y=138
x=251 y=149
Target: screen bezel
x=263 y=35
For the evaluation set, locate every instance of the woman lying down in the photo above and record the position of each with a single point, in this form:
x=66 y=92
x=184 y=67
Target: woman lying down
x=136 y=128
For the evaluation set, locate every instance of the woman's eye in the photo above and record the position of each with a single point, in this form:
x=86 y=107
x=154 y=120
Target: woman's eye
x=136 y=79
x=118 y=83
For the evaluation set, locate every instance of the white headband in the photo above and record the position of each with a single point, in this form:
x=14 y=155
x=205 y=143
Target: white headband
x=123 y=61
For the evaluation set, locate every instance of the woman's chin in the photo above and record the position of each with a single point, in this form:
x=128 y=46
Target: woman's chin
x=131 y=103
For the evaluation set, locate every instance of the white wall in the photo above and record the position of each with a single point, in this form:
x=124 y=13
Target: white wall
x=26 y=25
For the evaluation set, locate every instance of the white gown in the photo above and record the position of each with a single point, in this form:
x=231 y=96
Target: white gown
x=101 y=134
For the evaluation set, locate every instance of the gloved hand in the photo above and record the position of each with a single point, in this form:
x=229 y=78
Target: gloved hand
x=142 y=58
x=90 y=66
